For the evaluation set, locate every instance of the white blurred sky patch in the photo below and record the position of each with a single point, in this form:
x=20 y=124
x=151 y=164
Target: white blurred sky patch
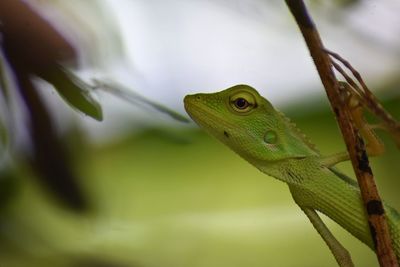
x=179 y=47
x=171 y=48
x=182 y=47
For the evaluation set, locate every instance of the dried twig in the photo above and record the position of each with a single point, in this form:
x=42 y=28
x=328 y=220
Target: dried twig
x=354 y=143
x=371 y=102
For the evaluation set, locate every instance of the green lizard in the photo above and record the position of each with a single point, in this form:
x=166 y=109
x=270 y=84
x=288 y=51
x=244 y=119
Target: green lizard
x=247 y=123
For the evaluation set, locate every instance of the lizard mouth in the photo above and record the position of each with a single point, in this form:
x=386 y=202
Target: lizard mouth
x=204 y=116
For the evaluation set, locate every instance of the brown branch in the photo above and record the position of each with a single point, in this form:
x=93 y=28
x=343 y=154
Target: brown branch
x=355 y=145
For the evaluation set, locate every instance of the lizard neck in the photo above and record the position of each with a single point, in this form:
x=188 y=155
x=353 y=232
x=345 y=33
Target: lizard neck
x=290 y=170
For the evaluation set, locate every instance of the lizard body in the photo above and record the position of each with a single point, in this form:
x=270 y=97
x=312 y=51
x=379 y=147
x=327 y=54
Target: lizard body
x=247 y=123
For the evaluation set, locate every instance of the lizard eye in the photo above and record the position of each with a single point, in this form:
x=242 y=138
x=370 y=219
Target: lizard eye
x=242 y=102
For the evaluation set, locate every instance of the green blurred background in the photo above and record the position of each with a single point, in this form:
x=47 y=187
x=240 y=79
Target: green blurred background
x=176 y=197
x=165 y=194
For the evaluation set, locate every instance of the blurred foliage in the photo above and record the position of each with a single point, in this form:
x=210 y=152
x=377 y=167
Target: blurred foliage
x=97 y=25
x=46 y=155
x=3 y=138
x=136 y=99
x=339 y=3
x=74 y=91
x=3 y=95
x=8 y=187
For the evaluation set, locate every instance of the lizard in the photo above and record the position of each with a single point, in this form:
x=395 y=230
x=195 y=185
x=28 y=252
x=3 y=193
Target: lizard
x=248 y=124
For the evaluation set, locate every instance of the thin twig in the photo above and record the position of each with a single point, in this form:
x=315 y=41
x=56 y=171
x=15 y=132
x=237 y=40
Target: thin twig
x=372 y=103
x=356 y=89
x=134 y=98
x=355 y=145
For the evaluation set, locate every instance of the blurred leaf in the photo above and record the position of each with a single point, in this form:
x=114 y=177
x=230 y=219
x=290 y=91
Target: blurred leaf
x=3 y=82
x=74 y=91
x=3 y=137
x=134 y=98
x=50 y=159
x=3 y=90
x=8 y=186
x=338 y=3
x=347 y=3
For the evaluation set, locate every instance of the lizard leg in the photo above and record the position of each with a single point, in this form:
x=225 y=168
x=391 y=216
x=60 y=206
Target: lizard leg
x=341 y=255
x=334 y=159
x=374 y=145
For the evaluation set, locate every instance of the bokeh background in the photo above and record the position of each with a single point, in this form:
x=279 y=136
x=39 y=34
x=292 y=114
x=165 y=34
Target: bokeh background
x=164 y=193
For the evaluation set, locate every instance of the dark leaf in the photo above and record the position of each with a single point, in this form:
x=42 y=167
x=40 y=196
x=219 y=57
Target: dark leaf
x=8 y=186
x=32 y=39
x=49 y=159
x=73 y=90
x=3 y=138
x=3 y=83
x=4 y=95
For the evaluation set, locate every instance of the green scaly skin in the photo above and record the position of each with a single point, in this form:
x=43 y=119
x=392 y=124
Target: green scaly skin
x=268 y=140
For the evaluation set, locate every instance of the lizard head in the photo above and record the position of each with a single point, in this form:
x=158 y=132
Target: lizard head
x=247 y=123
